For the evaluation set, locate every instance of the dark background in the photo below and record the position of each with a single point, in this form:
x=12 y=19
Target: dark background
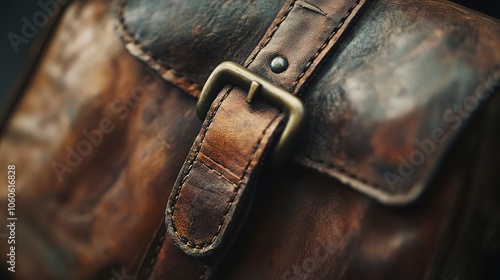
x=12 y=11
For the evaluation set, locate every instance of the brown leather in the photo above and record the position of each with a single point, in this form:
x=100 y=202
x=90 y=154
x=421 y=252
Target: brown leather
x=359 y=96
x=394 y=98
x=172 y=37
x=102 y=219
x=212 y=189
x=307 y=226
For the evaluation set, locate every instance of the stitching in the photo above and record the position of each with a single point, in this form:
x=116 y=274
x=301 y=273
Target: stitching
x=233 y=197
x=205 y=268
x=341 y=170
x=238 y=188
x=319 y=10
x=222 y=166
x=271 y=34
x=366 y=181
x=190 y=167
x=313 y=58
x=129 y=38
x=153 y=260
x=210 y=121
x=257 y=145
x=211 y=118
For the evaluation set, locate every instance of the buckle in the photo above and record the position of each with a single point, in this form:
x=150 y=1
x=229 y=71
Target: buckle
x=230 y=73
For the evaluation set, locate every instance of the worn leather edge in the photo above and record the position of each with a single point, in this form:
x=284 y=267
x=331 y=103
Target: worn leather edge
x=360 y=184
x=136 y=48
x=240 y=189
x=311 y=67
x=417 y=190
x=150 y=256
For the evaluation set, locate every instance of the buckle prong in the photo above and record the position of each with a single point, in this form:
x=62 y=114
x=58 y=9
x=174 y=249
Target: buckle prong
x=230 y=73
x=254 y=88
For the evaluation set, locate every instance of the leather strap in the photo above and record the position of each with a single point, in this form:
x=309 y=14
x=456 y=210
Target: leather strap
x=211 y=194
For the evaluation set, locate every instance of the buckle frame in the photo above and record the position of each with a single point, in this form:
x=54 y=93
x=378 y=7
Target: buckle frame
x=230 y=73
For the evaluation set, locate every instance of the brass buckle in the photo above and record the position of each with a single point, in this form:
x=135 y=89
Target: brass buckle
x=234 y=74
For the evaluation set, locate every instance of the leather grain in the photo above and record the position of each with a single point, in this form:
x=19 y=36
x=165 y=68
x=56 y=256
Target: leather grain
x=185 y=40
x=397 y=93
x=209 y=199
x=95 y=220
x=414 y=69
x=102 y=219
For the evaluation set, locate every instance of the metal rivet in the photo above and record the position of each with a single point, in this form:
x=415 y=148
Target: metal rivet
x=279 y=64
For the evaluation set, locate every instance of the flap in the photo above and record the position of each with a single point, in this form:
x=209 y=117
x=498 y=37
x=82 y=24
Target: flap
x=383 y=110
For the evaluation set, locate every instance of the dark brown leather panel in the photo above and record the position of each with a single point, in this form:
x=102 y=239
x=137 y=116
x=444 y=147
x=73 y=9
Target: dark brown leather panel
x=307 y=226
x=401 y=61
x=396 y=94
x=185 y=40
x=236 y=135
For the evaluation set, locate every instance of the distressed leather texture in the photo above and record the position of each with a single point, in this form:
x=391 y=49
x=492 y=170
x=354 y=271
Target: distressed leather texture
x=373 y=85
x=104 y=220
x=202 y=34
x=211 y=193
x=95 y=220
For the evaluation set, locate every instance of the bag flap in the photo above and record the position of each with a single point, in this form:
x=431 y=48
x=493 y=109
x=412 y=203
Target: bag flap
x=383 y=110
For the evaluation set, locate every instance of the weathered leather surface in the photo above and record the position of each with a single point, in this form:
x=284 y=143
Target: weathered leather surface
x=97 y=221
x=303 y=228
x=185 y=40
x=211 y=194
x=90 y=226
x=391 y=84
x=397 y=93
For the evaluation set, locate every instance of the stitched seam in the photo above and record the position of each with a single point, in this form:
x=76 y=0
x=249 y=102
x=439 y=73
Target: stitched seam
x=257 y=145
x=210 y=121
x=268 y=39
x=315 y=6
x=129 y=38
x=205 y=268
x=322 y=48
x=153 y=260
x=341 y=170
x=357 y=177
x=230 y=205
x=238 y=188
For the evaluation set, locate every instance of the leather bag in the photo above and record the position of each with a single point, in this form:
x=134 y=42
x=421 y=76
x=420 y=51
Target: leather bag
x=287 y=139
